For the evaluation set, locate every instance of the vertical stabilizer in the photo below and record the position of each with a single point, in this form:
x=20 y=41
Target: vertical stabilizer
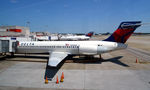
x=124 y=31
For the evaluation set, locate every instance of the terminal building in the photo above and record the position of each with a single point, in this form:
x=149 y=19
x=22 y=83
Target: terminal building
x=14 y=31
x=9 y=35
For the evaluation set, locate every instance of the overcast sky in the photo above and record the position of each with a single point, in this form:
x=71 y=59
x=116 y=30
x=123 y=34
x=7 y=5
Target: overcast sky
x=74 y=16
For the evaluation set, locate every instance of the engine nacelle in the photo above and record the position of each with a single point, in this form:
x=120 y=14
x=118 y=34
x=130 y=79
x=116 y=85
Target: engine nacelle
x=88 y=49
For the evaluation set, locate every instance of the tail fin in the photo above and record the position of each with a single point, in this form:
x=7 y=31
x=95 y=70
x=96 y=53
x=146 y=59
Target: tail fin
x=124 y=31
x=90 y=34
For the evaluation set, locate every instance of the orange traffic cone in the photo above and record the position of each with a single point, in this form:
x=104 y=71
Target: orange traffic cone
x=57 y=81
x=46 y=81
x=62 y=77
x=136 y=60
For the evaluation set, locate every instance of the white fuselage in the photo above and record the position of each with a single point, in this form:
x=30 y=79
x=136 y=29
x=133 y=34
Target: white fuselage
x=71 y=47
x=75 y=37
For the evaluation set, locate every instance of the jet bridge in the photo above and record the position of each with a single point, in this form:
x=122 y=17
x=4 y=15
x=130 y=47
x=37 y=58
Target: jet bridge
x=7 y=45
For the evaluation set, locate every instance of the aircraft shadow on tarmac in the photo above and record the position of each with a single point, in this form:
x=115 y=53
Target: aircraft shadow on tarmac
x=116 y=61
x=26 y=58
x=3 y=58
x=34 y=57
x=93 y=60
x=50 y=72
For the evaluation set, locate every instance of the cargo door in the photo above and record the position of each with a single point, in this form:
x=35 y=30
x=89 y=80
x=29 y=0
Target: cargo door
x=14 y=46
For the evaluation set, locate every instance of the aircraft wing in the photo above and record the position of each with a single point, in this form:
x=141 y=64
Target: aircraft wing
x=56 y=57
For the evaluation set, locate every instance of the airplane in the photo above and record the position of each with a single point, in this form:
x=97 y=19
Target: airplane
x=77 y=37
x=47 y=38
x=65 y=37
x=58 y=50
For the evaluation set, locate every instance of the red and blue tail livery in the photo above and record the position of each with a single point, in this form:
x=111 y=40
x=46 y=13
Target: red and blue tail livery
x=124 y=31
